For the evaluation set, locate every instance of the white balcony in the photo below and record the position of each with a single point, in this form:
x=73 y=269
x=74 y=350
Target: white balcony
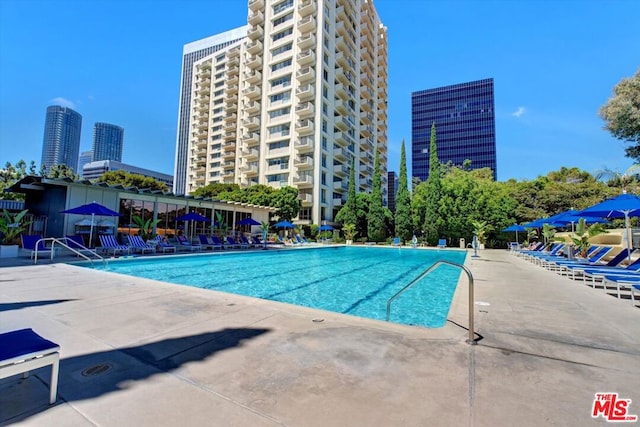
x=304 y=127
x=305 y=74
x=307 y=7
x=306 y=41
x=252 y=91
x=306 y=57
x=256 y=17
x=254 y=47
x=307 y=23
x=255 y=32
x=304 y=145
x=305 y=109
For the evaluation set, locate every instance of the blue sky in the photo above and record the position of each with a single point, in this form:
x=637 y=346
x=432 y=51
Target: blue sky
x=554 y=64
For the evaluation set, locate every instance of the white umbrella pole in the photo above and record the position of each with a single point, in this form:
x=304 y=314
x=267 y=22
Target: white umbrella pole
x=627 y=224
x=91 y=230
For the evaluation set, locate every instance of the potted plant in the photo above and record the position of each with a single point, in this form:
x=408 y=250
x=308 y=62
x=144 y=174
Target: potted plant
x=264 y=228
x=11 y=227
x=583 y=234
x=146 y=227
x=349 y=232
x=480 y=228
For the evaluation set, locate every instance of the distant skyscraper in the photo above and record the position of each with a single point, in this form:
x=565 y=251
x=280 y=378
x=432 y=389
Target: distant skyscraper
x=465 y=126
x=190 y=54
x=107 y=142
x=61 y=142
x=85 y=157
x=392 y=186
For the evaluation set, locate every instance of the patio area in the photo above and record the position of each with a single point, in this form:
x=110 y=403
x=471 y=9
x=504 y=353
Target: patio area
x=140 y=352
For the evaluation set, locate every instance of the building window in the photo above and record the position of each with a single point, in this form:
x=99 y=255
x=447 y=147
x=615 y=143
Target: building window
x=282 y=49
x=284 y=96
x=279 y=112
x=282 y=20
x=282 y=34
x=281 y=65
x=282 y=6
x=282 y=82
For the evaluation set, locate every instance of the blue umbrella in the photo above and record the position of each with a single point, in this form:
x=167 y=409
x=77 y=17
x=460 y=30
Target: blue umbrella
x=623 y=206
x=325 y=228
x=248 y=221
x=193 y=216
x=516 y=228
x=284 y=224
x=92 y=209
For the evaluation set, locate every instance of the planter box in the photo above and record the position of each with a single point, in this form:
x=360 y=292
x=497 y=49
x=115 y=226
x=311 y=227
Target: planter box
x=9 y=251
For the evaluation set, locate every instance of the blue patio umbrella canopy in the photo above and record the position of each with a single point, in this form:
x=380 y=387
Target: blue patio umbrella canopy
x=284 y=224
x=193 y=216
x=248 y=221
x=94 y=209
x=516 y=228
x=325 y=228
x=623 y=206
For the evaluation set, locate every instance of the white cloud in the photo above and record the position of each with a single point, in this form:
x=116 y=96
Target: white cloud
x=519 y=112
x=63 y=101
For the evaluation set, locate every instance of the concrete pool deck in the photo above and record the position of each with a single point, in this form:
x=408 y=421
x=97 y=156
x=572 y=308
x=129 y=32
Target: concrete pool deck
x=137 y=352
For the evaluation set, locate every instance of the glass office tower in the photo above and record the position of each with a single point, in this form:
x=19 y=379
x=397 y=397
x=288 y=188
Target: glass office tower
x=61 y=142
x=464 y=116
x=107 y=142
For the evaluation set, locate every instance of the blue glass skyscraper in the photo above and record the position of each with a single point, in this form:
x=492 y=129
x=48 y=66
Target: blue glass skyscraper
x=464 y=116
x=107 y=142
x=61 y=142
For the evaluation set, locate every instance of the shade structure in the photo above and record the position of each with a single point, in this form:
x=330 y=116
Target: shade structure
x=248 y=221
x=516 y=228
x=623 y=206
x=325 y=228
x=94 y=209
x=284 y=224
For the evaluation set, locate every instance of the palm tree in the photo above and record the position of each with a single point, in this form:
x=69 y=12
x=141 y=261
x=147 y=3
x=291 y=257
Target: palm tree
x=619 y=179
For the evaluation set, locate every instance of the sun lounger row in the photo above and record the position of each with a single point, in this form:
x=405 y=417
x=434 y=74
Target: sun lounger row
x=603 y=267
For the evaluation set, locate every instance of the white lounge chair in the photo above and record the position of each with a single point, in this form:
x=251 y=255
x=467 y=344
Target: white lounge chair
x=23 y=350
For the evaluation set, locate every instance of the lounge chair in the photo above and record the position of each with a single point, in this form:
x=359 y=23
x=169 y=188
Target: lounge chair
x=75 y=242
x=24 y=350
x=634 y=289
x=35 y=243
x=216 y=241
x=396 y=241
x=207 y=244
x=442 y=243
x=232 y=242
x=138 y=245
x=163 y=246
x=185 y=245
x=247 y=242
x=109 y=243
x=612 y=266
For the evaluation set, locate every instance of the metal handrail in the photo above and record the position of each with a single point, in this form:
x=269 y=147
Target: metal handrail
x=59 y=241
x=471 y=340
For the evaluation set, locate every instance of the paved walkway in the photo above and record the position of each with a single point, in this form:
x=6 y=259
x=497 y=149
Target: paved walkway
x=137 y=352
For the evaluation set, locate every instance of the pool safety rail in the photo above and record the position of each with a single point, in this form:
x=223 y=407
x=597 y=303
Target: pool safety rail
x=471 y=340
x=80 y=250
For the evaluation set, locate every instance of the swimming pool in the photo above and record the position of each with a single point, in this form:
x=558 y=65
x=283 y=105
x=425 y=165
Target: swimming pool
x=350 y=280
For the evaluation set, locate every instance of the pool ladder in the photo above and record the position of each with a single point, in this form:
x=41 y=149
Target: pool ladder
x=471 y=340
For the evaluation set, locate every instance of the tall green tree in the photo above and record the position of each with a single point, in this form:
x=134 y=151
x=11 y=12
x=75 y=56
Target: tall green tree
x=348 y=214
x=59 y=171
x=403 y=221
x=286 y=202
x=432 y=220
x=376 y=217
x=12 y=174
x=128 y=179
x=621 y=114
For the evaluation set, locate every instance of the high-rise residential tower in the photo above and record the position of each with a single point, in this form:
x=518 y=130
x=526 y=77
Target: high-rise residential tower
x=392 y=186
x=61 y=142
x=191 y=53
x=293 y=102
x=107 y=142
x=465 y=126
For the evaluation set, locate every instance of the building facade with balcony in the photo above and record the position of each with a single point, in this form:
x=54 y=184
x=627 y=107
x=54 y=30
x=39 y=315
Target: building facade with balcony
x=464 y=116
x=192 y=52
x=293 y=103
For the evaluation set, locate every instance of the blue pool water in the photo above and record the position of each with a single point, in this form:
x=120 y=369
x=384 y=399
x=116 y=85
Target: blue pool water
x=350 y=280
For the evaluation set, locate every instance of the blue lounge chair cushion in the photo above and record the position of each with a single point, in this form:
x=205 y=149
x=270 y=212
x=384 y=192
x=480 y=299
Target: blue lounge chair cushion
x=23 y=342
